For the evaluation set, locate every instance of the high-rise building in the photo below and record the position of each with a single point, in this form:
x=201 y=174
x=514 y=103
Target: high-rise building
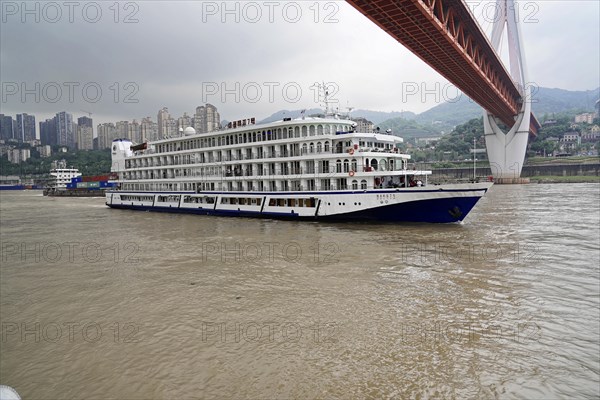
x=163 y=116
x=85 y=133
x=123 y=130
x=64 y=129
x=213 y=119
x=199 y=118
x=25 y=128
x=107 y=132
x=148 y=130
x=48 y=132
x=7 y=127
x=86 y=121
x=44 y=150
x=75 y=130
x=85 y=137
x=206 y=119
x=184 y=122
x=134 y=132
x=17 y=156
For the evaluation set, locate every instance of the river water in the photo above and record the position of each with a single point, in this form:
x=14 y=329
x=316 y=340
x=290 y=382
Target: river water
x=99 y=303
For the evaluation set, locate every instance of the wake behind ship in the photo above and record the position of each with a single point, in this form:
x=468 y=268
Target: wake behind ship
x=305 y=169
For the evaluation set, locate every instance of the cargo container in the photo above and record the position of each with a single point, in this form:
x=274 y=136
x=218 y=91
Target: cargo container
x=96 y=178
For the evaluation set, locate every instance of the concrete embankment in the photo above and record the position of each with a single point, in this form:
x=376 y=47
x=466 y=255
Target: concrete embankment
x=544 y=172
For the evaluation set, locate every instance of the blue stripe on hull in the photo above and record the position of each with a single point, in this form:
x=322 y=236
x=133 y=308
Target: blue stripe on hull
x=12 y=187
x=433 y=211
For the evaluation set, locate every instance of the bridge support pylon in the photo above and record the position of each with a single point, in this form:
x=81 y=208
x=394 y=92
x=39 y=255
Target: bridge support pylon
x=506 y=151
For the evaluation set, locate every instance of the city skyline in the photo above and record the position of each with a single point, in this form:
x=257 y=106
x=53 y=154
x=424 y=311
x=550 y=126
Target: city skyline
x=232 y=55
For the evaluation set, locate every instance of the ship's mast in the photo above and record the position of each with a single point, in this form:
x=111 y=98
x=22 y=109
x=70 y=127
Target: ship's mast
x=326 y=99
x=329 y=112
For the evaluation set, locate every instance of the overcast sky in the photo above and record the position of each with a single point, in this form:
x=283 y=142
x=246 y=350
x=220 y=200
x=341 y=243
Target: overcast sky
x=250 y=59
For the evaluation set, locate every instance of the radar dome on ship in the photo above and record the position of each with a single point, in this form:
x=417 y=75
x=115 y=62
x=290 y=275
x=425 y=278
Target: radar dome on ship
x=189 y=131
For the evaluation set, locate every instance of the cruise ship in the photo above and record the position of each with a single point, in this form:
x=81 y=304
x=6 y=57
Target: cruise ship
x=300 y=169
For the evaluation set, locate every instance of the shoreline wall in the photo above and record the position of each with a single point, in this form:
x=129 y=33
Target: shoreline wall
x=527 y=172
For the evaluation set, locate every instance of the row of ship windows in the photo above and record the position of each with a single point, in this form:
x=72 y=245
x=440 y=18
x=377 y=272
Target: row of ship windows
x=293 y=168
x=253 y=137
x=169 y=199
x=310 y=203
x=275 y=202
x=252 y=186
x=229 y=155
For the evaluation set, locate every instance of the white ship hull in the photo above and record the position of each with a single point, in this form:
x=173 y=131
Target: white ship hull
x=435 y=204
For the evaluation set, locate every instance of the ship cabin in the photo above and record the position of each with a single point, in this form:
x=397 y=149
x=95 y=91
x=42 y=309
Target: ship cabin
x=301 y=155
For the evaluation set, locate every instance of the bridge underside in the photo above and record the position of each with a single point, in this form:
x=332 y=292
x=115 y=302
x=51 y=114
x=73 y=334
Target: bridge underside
x=455 y=47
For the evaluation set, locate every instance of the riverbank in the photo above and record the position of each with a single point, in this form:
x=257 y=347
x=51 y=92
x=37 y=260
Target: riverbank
x=565 y=179
x=543 y=173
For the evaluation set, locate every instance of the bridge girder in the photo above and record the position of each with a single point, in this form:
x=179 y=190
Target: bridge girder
x=456 y=48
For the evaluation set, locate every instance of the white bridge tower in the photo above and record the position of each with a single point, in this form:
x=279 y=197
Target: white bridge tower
x=506 y=151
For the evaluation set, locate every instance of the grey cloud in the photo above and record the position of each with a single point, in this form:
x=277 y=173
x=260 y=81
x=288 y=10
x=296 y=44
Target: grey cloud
x=170 y=53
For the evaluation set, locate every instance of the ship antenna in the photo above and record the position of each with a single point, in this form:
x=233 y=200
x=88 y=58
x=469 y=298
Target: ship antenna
x=326 y=92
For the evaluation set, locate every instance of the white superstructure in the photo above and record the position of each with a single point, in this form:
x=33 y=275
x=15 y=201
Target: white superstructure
x=63 y=176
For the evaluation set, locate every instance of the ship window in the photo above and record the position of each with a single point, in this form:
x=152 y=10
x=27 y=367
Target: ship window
x=338 y=166
x=346 y=166
x=312 y=130
x=319 y=147
x=297 y=131
x=363 y=184
x=355 y=185
x=326 y=146
x=319 y=129
x=304 y=131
